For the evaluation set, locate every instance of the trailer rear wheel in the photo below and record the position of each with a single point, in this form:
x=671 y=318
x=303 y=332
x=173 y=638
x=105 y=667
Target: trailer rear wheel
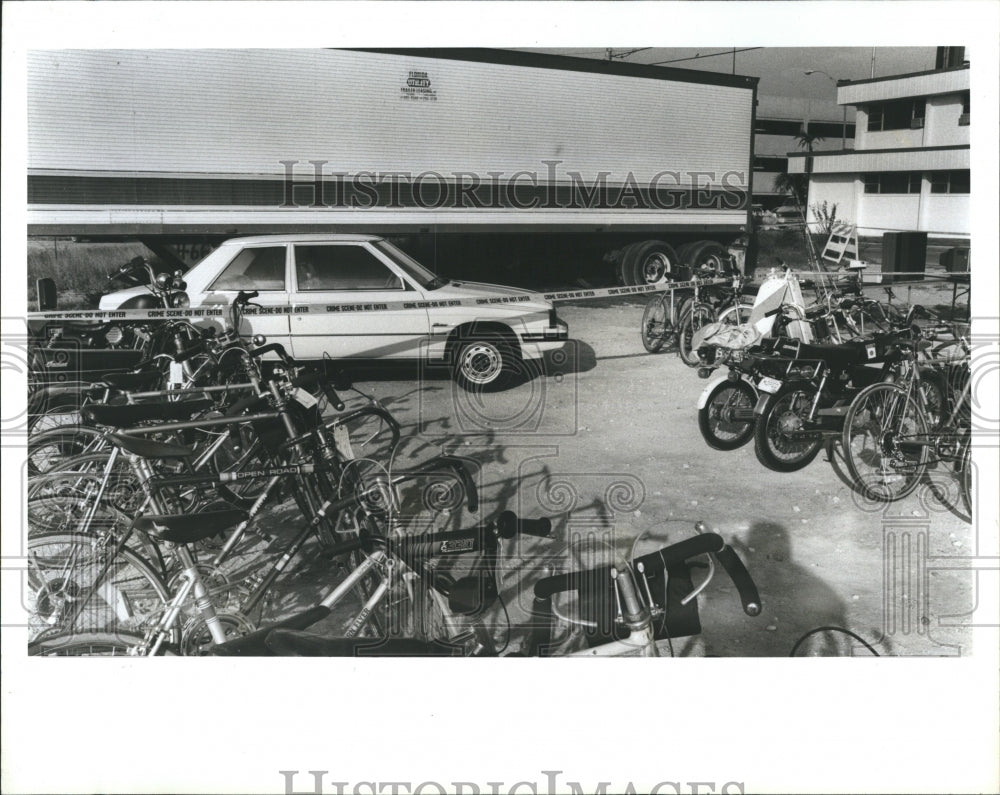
x=625 y=264
x=654 y=262
x=710 y=254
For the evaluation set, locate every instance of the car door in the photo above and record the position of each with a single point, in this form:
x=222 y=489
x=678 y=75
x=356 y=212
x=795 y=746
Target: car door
x=262 y=267
x=338 y=292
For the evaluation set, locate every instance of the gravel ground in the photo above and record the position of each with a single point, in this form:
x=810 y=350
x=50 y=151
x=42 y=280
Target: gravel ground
x=606 y=443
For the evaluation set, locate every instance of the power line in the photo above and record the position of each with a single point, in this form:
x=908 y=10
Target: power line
x=706 y=55
x=627 y=53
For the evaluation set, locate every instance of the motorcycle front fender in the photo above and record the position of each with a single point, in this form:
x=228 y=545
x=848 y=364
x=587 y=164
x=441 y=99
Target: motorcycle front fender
x=703 y=397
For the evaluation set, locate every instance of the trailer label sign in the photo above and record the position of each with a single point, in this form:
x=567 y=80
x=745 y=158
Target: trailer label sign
x=418 y=87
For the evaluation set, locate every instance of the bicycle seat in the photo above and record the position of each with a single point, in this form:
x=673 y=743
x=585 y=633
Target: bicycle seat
x=123 y=415
x=189 y=528
x=149 y=448
x=296 y=643
x=133 y=382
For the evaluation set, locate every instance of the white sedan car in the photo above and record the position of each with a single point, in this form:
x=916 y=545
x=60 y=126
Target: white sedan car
x=360 y=297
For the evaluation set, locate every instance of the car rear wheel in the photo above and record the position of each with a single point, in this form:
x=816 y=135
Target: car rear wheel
x=485 y=363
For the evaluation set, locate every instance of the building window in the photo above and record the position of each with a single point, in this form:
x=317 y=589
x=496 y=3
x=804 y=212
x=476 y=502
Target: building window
x=963 y=120
x=950 y=181
x=892 y=182
x=900 y=114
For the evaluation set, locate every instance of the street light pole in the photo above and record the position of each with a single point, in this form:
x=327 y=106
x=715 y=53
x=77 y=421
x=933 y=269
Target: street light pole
x=843 y=127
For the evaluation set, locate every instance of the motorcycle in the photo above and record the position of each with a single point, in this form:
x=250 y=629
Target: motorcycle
x=68 y=357
x=805 y=391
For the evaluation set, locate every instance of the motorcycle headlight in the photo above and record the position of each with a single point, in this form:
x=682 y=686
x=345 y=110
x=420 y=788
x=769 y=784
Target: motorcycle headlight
x=180 y=301
x=114 y=335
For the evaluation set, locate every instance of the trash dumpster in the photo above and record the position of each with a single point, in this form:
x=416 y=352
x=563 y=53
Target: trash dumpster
x=904 y=254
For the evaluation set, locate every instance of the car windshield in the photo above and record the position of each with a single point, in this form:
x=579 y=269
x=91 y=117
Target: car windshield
x=427 y=279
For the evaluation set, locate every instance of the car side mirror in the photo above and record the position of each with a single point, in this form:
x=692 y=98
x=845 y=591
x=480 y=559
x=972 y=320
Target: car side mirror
x=46 y=289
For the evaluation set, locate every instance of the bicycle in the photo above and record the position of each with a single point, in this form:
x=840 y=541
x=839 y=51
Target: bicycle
x=626 y=610
x=403 y=578
x=891 y=429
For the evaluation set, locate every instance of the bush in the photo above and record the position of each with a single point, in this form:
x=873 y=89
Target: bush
x=80 y=270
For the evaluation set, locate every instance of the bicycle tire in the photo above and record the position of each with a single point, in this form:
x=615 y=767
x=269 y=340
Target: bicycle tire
x=965 y=474
x=46 y=449
x=697 y=316
x=718 y=432
x=880 y=417
x=63 y=566
x=85 y=644
x=772 y=444
x=935 y=400
x=656 y=324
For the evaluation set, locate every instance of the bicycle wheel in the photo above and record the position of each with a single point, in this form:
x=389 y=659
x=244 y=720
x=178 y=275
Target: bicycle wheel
x=657 y=325
x=697 y=316
x=882 y=443
x=85 y=644
x=76 y=585
x=241 y=451
x=780 y=439
x=48 y=449
x=716 y=418
x=935 y=402
x=735 y=315
x=122 y=490
x=965 y=473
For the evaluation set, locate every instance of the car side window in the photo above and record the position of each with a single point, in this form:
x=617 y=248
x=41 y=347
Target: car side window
x=342 y=267
x=254 y=269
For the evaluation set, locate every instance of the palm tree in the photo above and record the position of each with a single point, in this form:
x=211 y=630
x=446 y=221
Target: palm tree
x=797 y=185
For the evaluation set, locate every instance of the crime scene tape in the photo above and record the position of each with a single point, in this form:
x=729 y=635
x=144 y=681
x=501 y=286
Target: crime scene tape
x=513 y=301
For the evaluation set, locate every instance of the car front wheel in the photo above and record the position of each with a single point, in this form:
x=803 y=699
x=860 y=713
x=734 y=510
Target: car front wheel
x=485 y=363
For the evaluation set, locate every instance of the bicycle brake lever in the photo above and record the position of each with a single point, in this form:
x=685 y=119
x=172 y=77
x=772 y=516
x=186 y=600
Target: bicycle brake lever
x=701 y=586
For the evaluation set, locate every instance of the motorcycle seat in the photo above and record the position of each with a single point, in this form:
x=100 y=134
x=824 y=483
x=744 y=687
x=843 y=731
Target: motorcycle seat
x=838 y=357
x=124 y=415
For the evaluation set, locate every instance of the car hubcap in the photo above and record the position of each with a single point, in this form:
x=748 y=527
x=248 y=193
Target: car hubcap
x=481 y=363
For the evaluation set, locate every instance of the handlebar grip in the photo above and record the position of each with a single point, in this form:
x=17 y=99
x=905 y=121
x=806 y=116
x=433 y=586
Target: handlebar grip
x=508 y=525
x=471 y=492
x=331 y=396
x=741 y=579
x=191 y=350
x=244 y=403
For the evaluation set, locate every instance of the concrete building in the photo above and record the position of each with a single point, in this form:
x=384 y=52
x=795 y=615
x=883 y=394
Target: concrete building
x=779 y=119
x=909 y=169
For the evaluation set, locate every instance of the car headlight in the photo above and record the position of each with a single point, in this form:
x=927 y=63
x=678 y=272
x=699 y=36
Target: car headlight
x=180 y=301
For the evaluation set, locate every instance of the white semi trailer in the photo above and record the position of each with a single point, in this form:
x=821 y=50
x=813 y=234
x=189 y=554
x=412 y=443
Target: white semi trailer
x=473 y=156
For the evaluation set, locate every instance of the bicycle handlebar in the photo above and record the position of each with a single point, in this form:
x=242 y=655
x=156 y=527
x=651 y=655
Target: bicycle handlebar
x=655 y=563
